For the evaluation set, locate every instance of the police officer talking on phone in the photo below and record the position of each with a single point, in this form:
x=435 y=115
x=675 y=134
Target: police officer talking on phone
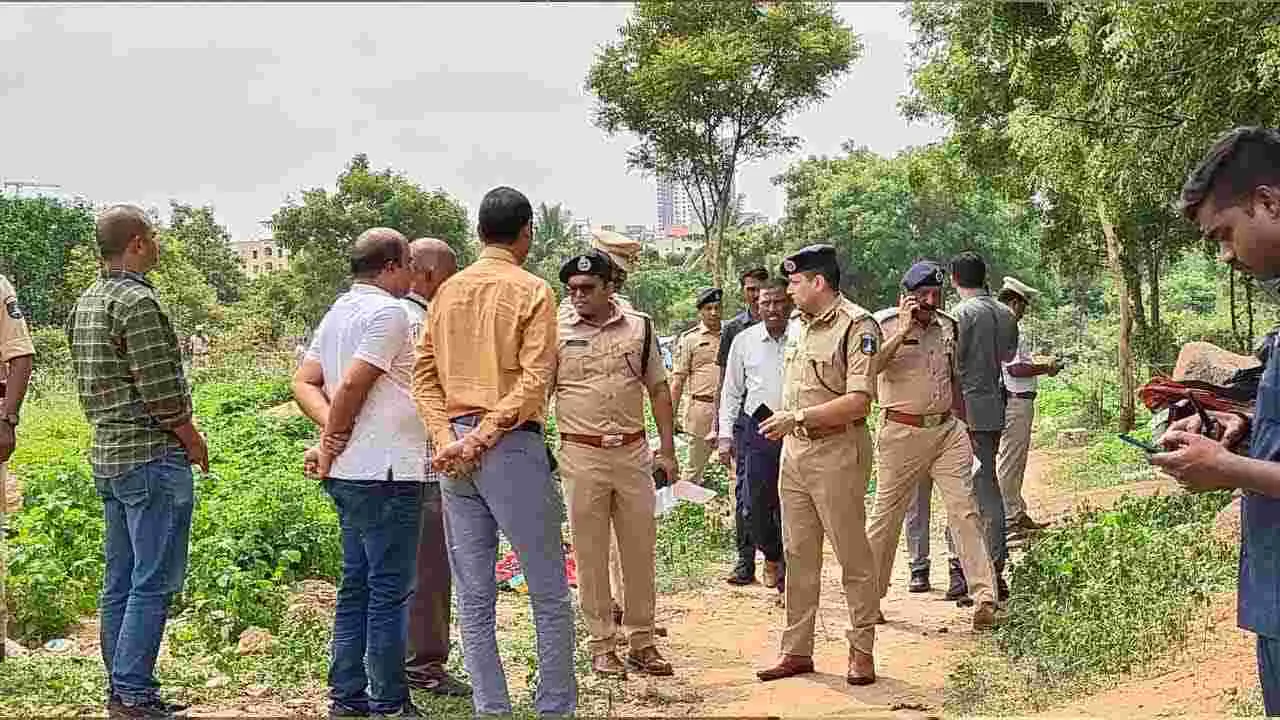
x=1233 y=195
x=752 y=391
x=607 y=359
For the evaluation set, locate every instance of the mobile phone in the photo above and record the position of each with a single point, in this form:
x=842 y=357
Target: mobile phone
x=1146 y=446
x=762 y=413
x=1208 y=426
x=660 y=479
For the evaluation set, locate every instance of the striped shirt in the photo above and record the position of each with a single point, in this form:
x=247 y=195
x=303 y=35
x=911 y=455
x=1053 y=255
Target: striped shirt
x=128 y=372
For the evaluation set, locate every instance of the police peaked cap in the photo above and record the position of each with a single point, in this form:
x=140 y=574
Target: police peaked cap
x=813 y=258
x=708 y=296
x=592 y=263
x=925 y=273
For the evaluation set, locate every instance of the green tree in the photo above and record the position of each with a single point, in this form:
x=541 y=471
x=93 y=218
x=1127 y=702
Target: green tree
x=883 y=214
x=207 y=244
x=1098 y=109
x=553 y=242
x=37 y=239
x=319 y=231
x=708 y=86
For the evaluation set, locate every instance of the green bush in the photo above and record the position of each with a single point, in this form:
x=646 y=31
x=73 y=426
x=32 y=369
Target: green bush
x=1098 y=597
x=691 y=538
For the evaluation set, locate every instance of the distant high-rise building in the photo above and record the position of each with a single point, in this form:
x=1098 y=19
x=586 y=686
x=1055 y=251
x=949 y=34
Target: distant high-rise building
x=674 y=207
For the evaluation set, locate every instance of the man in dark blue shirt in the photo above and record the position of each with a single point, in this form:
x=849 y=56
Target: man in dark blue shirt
x=1234 y=196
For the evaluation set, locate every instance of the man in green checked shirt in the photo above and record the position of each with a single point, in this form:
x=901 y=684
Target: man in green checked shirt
x=128 y=371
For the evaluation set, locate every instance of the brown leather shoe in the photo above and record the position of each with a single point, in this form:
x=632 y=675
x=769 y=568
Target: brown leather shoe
x=649 y=661
x=788 y=666
x=772 y=573
x=609 y=665
x=984 y=616
x=862 y=668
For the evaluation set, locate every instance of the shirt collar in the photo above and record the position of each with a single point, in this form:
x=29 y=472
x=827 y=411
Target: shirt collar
x=128 y=275
x=614 y=316
x=364 y=288
x=497 y=252
x=825 y=315
x=417 y=299
x=765 y=337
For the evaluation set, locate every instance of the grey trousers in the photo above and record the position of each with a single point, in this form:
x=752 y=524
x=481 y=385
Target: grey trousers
x=986 y=445
x=512 y=492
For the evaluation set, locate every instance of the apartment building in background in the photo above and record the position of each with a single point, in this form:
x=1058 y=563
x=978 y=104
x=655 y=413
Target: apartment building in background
x=261 y=256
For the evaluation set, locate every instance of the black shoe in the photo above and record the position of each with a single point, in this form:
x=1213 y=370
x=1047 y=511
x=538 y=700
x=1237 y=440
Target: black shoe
x=117 y=708
x=959 y=588
x=445 y=685
x=919 y=581
x=1002 y=588
x=407 y=710
x=338 y=710
x=742 y=575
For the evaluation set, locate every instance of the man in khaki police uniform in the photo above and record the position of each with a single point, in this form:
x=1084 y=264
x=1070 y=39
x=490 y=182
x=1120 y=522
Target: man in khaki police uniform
x=920 y=437
x=695 y=369
x=623 y=253
x=16 y=355
x=608 y=358
x=828 y=388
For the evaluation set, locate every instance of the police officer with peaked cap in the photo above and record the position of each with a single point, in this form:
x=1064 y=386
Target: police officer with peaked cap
x=695 y=369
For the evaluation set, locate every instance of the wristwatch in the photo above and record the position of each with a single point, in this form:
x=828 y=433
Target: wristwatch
x=11 y=419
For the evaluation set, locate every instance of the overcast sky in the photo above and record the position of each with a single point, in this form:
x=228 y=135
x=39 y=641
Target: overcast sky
x=242 y=106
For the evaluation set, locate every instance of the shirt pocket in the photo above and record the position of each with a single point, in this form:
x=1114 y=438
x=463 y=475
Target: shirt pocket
x=820 y=367
x=577 y=361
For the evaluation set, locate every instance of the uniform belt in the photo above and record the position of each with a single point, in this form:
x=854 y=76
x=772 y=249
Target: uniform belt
x=1029 y=395
x=820 y=433
x=603 y=441
x=920 y=421
x=705 y=398
x=474 y=420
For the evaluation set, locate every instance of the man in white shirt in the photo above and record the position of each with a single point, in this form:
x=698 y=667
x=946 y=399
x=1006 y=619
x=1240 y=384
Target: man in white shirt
x=752 y=386
x=1020 y=381
x=373 y=454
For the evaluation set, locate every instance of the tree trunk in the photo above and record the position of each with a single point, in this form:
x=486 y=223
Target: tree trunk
x=1231 y=285
x=1127 y=389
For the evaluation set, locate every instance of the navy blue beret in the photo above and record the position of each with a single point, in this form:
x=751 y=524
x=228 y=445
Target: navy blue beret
x=813 y=258
x=592 y=263
x=710 y=295
x=925 y=273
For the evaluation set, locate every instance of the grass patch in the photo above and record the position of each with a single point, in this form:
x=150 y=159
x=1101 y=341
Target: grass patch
x=1097 y=598
x=1106 y=462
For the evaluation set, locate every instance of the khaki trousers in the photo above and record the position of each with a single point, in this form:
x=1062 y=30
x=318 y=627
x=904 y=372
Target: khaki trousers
x=697 y=423
x=906 y=457
x=1011 y=463
x=822 y=487
x=611 y=491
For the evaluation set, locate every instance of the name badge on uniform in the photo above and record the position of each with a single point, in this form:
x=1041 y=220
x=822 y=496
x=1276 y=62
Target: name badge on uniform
x=869 y=344
x=575 y=343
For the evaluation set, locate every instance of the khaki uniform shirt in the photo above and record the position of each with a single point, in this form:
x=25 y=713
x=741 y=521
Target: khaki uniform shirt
x=816 y=368
x=917 y=379
x=599 y=389
x=695 y=361
x=15 y=340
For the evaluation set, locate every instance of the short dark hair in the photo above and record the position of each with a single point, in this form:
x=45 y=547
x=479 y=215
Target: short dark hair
x=503 y=214
x=376 y=247
x=969 y=269
x=775 y=283
x=1237 y=162
x=117 y=226
x=757 y=273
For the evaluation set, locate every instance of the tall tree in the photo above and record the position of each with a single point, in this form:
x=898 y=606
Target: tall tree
x=1097 y=109
x=708 y=86
x=553 y=241
x=318 y=232
x=208 y=245
x=37 y=238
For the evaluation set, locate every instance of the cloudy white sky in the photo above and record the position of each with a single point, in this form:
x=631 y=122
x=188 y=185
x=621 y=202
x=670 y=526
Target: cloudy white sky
x=242 y=106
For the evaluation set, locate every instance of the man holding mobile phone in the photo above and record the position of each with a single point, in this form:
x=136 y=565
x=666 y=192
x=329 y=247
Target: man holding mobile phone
x=752 y=391
x=607 y=360
x=1233 y=195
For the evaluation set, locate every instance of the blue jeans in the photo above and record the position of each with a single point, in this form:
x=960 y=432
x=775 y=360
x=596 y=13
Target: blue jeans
x=1269 y=674
x=512 y=491
x=379 y=522
x=148 y=525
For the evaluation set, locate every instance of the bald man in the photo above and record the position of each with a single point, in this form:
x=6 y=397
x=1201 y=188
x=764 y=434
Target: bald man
x=128 y=371
x=431 y=261
x=355 y=383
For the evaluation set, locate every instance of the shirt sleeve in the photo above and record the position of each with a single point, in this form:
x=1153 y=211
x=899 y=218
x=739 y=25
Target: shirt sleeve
x=384 y=337
x=655 y=373
x=428 y=392
x=682 y=364
x=733 y=390
x=155 y=363
x=537 y=356
x=865 y=340
x=15 y=339
x=727 y=334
